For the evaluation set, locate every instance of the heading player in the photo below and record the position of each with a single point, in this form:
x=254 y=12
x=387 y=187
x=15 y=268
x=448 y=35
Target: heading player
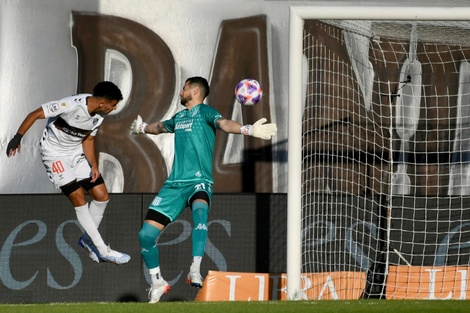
x=68 y=153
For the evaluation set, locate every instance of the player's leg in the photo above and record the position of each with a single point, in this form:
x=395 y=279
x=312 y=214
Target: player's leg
x=200 y=212
x=97 y=190
x=154 y=223
x=91 y=215
x=92 y=240
x=100 y=198
x=62 y=175
x=165 y=208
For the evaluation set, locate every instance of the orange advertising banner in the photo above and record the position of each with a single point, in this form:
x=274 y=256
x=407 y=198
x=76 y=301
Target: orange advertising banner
x=427 y=282
x=235 y=286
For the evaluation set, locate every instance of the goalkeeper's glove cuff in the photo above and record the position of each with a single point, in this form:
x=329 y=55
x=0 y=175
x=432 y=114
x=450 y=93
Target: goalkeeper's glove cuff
x=141 y=128
x=137 y=126
x=246 y=130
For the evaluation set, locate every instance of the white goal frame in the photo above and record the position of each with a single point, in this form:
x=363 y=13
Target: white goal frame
x=298 y=14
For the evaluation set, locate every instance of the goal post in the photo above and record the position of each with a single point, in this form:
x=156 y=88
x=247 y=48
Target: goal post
x=351 y=107
x=294 y=190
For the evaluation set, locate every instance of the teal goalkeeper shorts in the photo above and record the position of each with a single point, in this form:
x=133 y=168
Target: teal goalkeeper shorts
x=173 y=197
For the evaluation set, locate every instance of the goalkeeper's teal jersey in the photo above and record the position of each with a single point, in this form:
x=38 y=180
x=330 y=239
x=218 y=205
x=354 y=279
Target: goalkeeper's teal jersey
x=194 y=143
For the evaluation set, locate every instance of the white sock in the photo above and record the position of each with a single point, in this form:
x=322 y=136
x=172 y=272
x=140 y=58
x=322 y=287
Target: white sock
x=155 y=275
x=196 y=265
x=85 y=219
x=97 y=209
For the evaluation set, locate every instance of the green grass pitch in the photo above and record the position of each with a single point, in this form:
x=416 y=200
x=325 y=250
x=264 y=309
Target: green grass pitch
x=325 y=306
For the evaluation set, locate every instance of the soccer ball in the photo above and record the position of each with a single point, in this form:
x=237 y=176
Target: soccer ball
x=248 y=92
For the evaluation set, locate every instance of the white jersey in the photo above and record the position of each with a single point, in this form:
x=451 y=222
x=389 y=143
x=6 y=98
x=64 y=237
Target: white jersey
x=68 y=124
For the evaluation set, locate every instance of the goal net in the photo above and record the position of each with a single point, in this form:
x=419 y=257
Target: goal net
x=379 y=193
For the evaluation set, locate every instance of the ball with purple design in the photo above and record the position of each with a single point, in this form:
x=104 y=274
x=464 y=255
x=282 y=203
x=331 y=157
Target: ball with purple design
x=248 y=91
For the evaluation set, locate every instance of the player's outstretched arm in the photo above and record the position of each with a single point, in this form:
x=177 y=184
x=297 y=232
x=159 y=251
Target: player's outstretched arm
x=259 y=129
x=15 y=143
x=138 y=126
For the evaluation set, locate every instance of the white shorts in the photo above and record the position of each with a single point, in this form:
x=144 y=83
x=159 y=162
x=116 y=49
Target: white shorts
x=63 y=170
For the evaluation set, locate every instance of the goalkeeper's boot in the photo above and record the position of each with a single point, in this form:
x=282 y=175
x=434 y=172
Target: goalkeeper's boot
x=194 y=278
x=157 y=291
x=86 y=243
x=115 y=257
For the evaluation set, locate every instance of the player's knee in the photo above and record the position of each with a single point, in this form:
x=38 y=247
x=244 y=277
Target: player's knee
x=200 y=211
x=145 y=238
x=200 y=195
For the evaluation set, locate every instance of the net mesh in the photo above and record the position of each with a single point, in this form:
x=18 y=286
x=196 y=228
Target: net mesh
x=385 y=156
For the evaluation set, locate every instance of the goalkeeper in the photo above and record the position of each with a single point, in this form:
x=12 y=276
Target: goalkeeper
x=190 y=182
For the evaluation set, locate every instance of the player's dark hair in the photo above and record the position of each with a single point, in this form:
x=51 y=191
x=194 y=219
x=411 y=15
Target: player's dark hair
x=201 y=82
x=107 y=90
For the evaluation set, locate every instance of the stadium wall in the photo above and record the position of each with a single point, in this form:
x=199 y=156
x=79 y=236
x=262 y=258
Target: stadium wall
x=40 y=260
x=49 y=50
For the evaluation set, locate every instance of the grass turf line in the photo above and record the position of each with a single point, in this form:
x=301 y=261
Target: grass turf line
x=324 y=306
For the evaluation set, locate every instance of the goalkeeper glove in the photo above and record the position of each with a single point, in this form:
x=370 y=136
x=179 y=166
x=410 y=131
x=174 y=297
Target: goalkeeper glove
x=14 y=144
x=138 y=126
x=259 y=129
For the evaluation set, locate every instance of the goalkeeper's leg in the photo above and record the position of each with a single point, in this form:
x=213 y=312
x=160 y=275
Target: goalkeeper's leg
x=200 y=210
x=149 y=250
x=148 y=244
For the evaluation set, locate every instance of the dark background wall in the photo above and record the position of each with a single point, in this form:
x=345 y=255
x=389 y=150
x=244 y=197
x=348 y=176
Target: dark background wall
x=40 y=260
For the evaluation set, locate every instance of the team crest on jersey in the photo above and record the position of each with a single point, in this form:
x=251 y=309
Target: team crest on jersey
x=95 y=120
x=156 y=201
x=53 y=107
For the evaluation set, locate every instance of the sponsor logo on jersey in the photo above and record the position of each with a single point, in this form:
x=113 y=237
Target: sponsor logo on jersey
x=186 y=126
x=62 y=125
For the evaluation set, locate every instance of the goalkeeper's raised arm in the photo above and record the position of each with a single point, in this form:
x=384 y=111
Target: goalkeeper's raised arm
x=138 y=126
x=259 y=129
